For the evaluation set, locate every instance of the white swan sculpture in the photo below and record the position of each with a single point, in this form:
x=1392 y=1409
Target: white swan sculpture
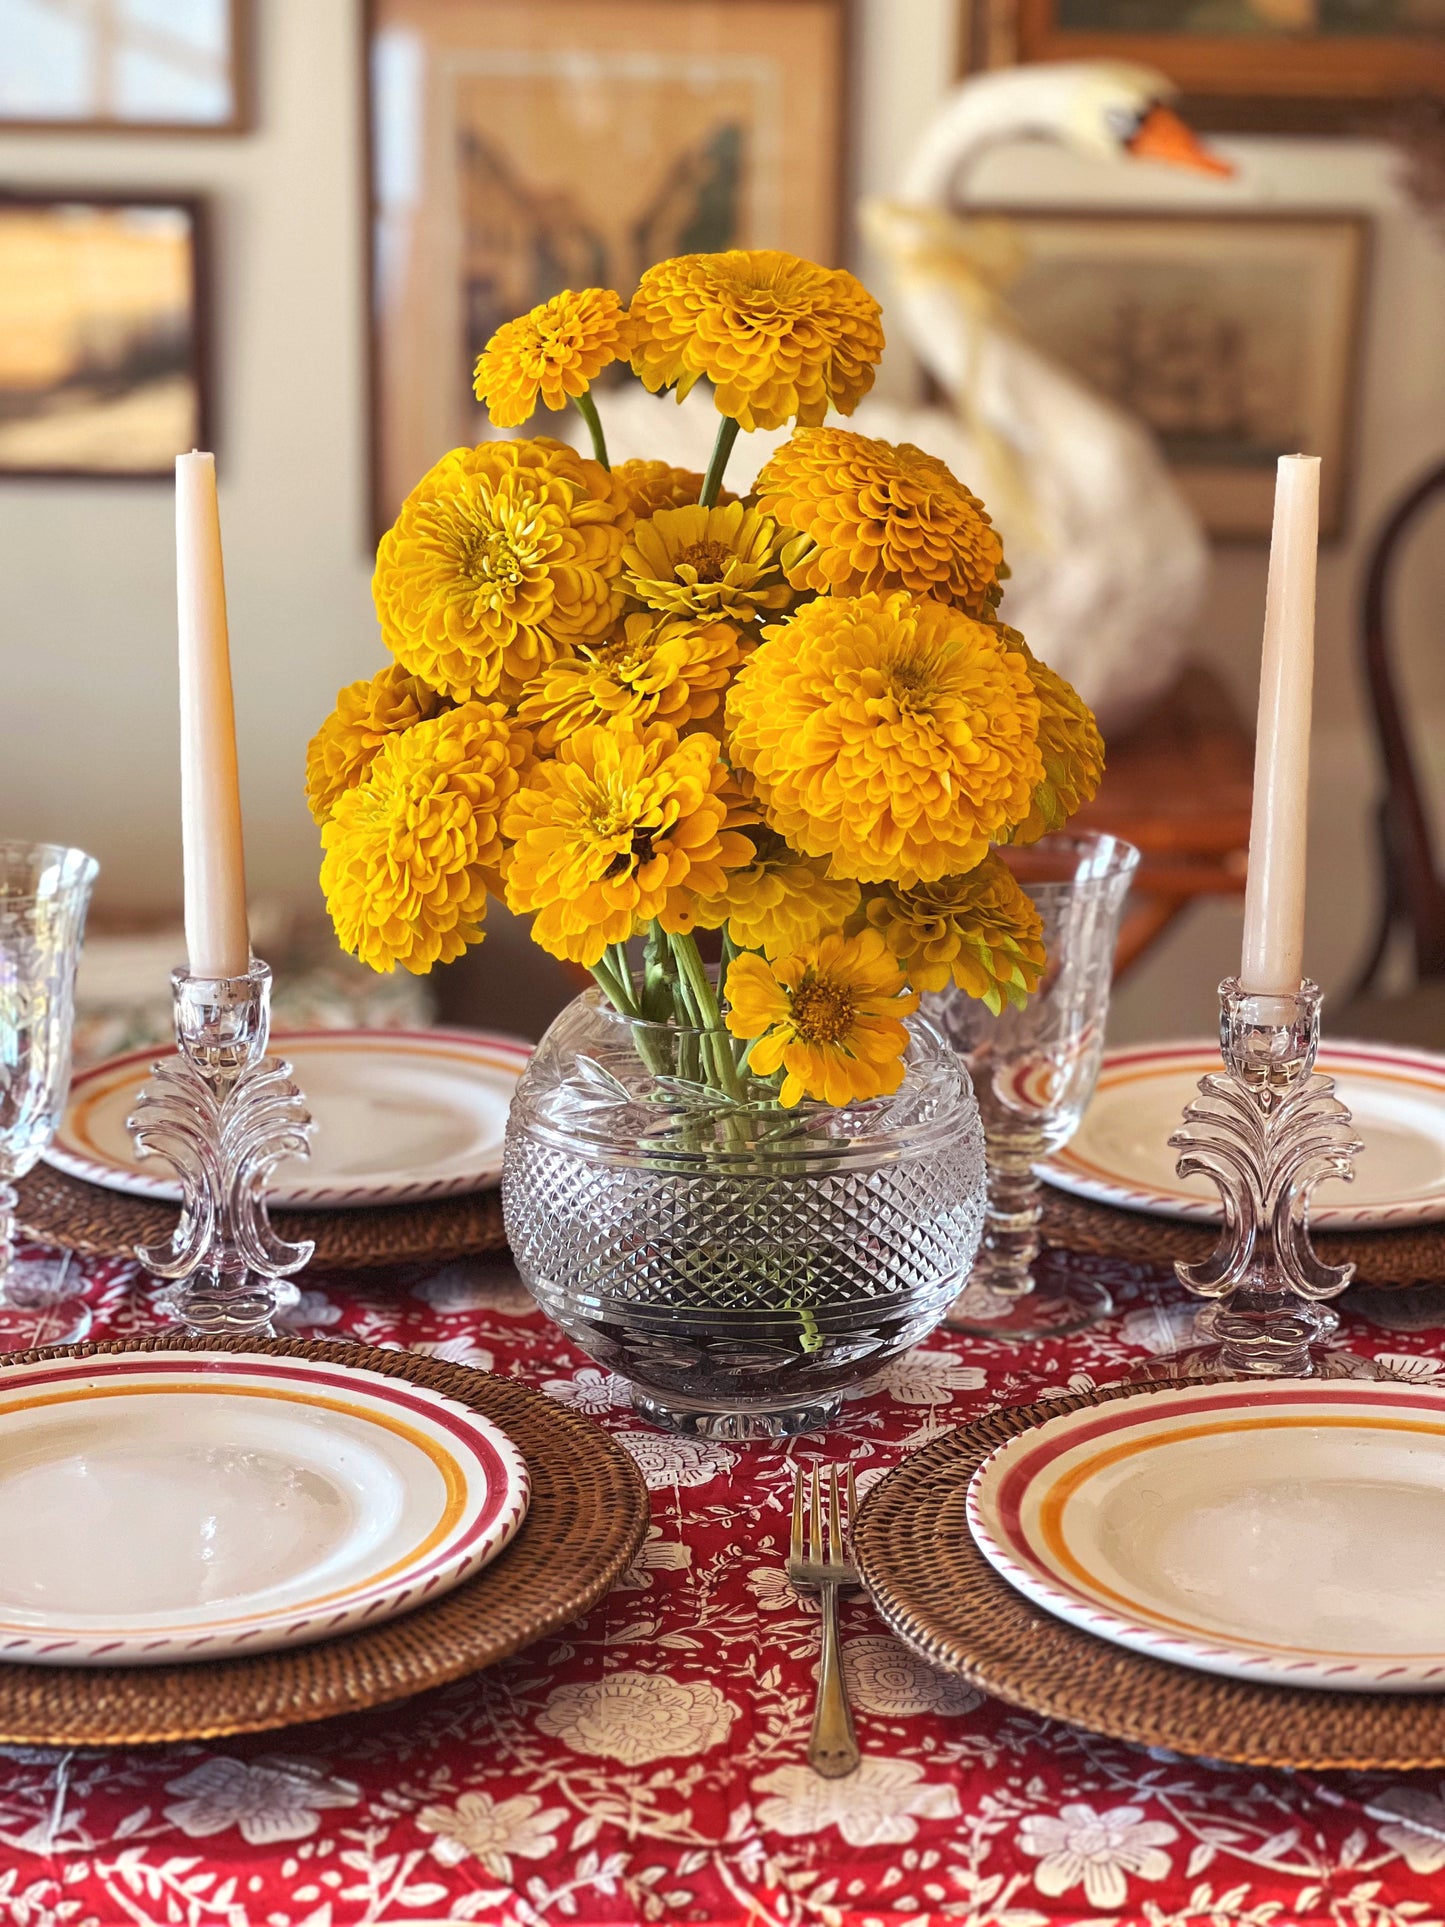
x=1108 y=559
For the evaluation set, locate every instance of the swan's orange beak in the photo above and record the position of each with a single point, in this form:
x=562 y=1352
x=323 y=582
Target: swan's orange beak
x=1163 y=136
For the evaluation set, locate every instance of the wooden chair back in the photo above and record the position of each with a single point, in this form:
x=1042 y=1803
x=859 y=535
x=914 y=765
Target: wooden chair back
x=1414 y=890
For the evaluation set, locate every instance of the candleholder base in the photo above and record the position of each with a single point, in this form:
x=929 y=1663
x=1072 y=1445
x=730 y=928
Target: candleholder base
x=1267 y=1130
x=224 y=1114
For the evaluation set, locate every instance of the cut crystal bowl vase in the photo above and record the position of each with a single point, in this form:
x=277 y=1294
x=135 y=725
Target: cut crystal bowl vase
x=739 y=1265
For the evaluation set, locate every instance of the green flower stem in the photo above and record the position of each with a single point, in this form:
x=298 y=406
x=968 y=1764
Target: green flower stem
x=727 y=434
x=587 y=409
x=691 y=972
x=615 y=977
x=614 y=988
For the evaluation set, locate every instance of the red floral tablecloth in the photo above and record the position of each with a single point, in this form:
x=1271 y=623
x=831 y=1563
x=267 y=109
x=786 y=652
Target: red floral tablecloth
x=648 y=1763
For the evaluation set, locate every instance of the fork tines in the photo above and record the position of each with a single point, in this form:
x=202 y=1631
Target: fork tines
x=808 y=1517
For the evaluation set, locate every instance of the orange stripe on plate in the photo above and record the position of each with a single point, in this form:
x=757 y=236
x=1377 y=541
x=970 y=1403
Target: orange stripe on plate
x=453 y=1478
x=1051 y=1509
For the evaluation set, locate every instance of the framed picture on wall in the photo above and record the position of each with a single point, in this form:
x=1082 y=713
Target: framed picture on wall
x=117 y=66
x=518 y=147
x=1271 y=65
x=1233 y=336
x=102 y=336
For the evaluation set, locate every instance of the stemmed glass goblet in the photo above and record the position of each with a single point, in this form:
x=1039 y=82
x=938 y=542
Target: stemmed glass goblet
x=44 y=894
x=1034 y=1072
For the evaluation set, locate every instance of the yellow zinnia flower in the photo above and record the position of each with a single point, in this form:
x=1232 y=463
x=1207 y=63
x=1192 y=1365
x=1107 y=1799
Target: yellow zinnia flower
x=551 y=354
x=659 y=668
x=1069 y=741
x=412 y=850
x=626 y=825
x=829 y=1016
x=780 y=901
x=779 y=338
x=876 y=517
x=706 y=562
x=366 y=713
x=503 y=556
x=895 y=737
x=978 y=931
x=650 y=486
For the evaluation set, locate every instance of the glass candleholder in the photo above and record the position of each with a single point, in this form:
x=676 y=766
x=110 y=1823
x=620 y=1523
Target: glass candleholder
x=224 y=1114
x=1267 y=1129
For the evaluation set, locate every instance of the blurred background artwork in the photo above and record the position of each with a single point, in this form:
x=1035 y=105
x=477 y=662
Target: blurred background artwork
x=101 y=356
x=1271 y=65
x=523 y=146
x=1296 y=298
x=172 y=65
x=1233 y=338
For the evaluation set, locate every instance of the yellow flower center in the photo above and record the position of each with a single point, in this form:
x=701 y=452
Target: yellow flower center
x=911 y=685
x=641 y=852
x=821 y=1012
x=707 y=560
x=629 y=662
x=492 y=559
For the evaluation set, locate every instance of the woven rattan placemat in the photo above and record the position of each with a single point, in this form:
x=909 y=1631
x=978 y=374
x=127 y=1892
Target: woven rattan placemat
x=935 y=1589
x=587 y=1517
x=57 y=1209
x=1414 y=1255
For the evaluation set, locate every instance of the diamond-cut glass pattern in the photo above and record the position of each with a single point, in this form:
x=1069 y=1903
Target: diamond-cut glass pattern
x=723 y=1254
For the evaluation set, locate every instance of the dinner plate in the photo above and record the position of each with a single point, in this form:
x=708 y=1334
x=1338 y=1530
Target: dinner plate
x=1292 y=1532
x=401 y=1115
x=157 y=1507
x=1120 y=1153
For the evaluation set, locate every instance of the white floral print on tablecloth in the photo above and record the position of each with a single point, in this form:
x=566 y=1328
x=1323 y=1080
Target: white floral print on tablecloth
x=666 y=1461
x=590 y=1390
x=634 y=1717
x=927 y=1378
x=493 y=1831
x=265 y=1801
x=880 y=1803
x=773 y=1591
x=657 y=1555
x=470 y=1286
x=1416 y=1829
x=1079 y=1847
x=885 y=1678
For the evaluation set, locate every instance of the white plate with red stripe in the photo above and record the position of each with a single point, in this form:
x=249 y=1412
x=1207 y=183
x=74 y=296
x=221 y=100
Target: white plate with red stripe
x=1291 y=1532
x=160 y=1507
x=401 y=1116
x=1120 y=1153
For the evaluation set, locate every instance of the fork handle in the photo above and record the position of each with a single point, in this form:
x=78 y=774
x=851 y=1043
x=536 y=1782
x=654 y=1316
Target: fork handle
x=833 y=1746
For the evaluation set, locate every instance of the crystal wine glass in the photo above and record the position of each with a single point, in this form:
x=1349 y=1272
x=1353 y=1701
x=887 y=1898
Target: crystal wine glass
x=1034 y=1072
x=44 y=893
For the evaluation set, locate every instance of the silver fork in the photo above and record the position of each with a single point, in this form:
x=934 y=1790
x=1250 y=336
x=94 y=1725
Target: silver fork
x=833 y=1745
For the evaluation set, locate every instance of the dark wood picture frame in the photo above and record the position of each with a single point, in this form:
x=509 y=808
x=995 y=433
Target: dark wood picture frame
x=200 y=360
x=381 y=507
x=1265 y=83
x=1253 y=515
x=241 y=54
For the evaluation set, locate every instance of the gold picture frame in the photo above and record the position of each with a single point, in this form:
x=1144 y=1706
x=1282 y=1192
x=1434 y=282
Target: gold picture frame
x=1235 y=337
x=1271 y=66
x=517 y=147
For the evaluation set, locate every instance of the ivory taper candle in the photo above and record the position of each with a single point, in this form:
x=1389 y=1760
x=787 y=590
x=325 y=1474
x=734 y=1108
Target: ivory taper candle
x=218 y=942
x=1274 y=897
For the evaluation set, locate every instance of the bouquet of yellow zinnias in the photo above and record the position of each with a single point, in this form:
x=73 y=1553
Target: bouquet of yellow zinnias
x=630 y=704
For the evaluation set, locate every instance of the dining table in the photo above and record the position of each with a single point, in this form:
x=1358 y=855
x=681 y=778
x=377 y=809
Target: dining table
x=647 y=1763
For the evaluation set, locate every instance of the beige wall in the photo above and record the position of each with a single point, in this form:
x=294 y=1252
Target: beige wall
x=86 y=584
